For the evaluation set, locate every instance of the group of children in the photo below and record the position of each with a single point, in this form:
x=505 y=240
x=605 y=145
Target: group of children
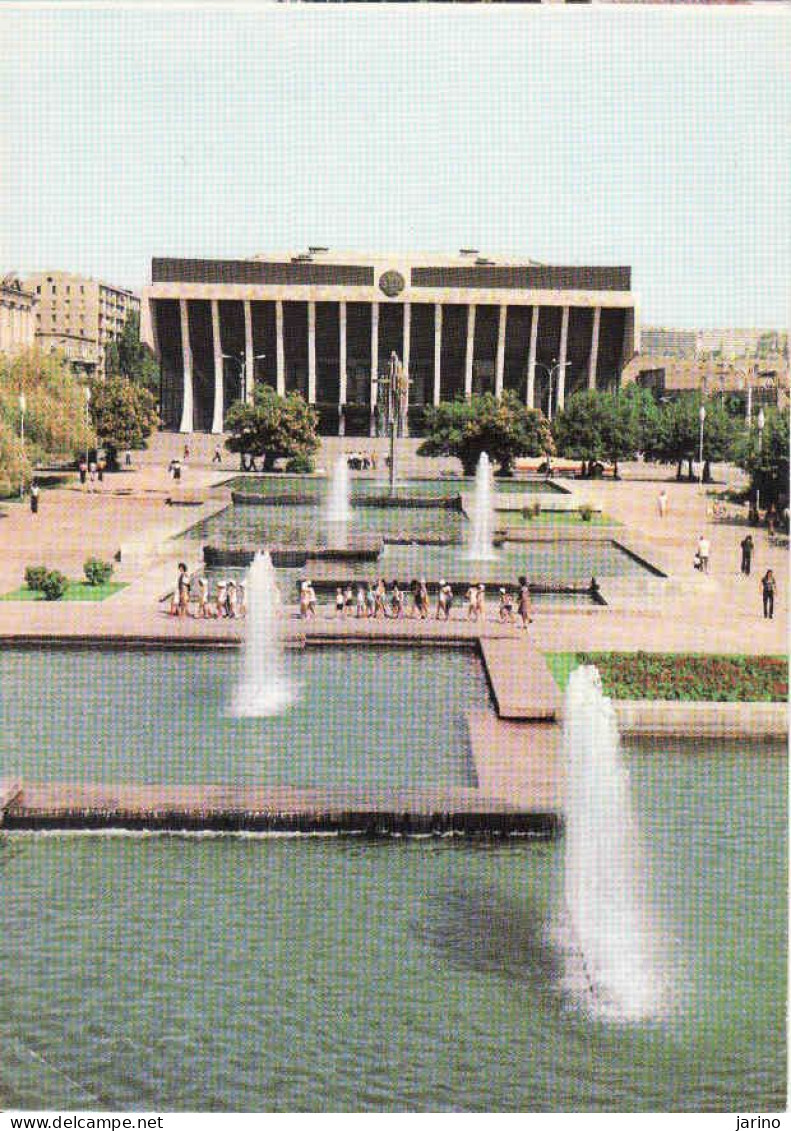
x=374 y=600
x=230 y=600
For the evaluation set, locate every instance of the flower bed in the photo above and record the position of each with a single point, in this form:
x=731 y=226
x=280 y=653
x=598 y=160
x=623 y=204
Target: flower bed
x=686 y=677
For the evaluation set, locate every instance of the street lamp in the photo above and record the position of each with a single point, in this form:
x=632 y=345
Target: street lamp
x=702 y=418
x=22 y=407
x=241 y=360
x=761 y=423
x=397 y=384
x=552 y=373
x=87 y=393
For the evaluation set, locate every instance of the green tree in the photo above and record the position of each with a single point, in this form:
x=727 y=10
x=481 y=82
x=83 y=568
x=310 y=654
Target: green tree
x=126 y=356
x=55 y=421
x=579 y=428
x=612 y=425
x=124 y=415
x=764 y=456
x=503 y=428
x=272 y=426
x=679 y=434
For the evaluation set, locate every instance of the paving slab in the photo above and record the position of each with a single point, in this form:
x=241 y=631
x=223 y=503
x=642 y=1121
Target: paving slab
x=522 y=685
x=518 y=762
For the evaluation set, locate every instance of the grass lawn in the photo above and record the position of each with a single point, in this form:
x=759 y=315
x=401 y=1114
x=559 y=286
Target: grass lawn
x=518 y=521
x=77 y=591
x=691 y=677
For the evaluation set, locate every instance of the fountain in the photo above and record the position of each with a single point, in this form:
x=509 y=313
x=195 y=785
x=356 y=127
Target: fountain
x=480 y=548
x=337 y=507
x=264 y=688
x=610 y=938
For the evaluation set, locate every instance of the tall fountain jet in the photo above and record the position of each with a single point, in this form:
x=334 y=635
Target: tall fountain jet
x=480 y=546
x=338 y=506
x=264 y=688
x=612 y=949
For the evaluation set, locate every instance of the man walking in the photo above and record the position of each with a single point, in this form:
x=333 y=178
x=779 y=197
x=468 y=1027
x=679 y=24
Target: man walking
x=747 y=546
x=704 y=549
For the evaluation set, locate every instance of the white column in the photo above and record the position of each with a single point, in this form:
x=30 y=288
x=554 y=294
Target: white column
x=311 y=353
x=407 y=346
x=374 y=353
x=564 y=341
x=281 y=349
x=249 y=360
x=499 y=365
x=531 y=359
x=593 y=359
x=217 y=415
x=437 y=351
x=5 y=334
x=470 y=350
x=342 y=351
x=186 y=352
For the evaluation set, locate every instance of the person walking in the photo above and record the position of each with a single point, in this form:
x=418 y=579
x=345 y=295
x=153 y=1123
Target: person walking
x=183 y=589
x=524 y=606
x=34 y=497
x=83 y=472
x=203 y=598
x=481 y=602
x=339 y=602
x=396 y=601
x=768 y=590
x=703 y=551
x=662 y=503
x=217 y=457
x=222 y=609
x=442 y=601
x=747 y=546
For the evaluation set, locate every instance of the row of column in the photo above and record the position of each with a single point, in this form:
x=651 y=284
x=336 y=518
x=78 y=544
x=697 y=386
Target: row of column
x=17 y=329
x=218 y=414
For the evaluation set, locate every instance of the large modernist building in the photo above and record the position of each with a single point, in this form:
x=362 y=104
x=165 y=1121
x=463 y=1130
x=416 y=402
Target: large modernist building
x=326 y=325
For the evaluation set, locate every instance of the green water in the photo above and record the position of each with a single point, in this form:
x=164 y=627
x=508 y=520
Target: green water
x=265 y=974
x=316 y=487
x=378 y=717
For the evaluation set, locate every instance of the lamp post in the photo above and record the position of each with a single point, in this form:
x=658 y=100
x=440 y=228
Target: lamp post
x=761 y=423
x=87 y=392
x=552 y=373
x=396 y=382
x=22 y=407
x=241 y=361
x=702 y=418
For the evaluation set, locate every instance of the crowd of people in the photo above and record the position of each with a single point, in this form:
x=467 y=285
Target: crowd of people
x=229 y=599
x=376 y=600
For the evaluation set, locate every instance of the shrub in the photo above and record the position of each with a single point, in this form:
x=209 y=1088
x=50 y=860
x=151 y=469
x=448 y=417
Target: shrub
x=34 y=577
x=97 y=572
x=54 y=585
x=301 y=464
x=586 y=512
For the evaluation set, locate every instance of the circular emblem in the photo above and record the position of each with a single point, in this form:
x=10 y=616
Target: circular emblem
x=391 y=283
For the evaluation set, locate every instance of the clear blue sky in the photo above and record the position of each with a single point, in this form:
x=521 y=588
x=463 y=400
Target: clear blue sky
x=656 y=138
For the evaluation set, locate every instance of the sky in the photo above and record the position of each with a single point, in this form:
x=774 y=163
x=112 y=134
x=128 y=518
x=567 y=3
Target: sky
x=656 y=138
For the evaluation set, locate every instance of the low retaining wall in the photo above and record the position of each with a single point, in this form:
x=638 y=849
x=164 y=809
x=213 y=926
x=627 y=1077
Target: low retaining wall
x=703 y=720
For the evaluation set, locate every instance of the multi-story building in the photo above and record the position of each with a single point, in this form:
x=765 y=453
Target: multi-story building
x=326 y=326
x=17 y=316
x=79 y=316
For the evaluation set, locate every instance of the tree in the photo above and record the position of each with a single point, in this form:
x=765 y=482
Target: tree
x=679 y=434
x=612 y=426
x=126 y=356
x=272 y=426
x=503 y=428
x=764 y=456
x=124 y=415
x=56 y=427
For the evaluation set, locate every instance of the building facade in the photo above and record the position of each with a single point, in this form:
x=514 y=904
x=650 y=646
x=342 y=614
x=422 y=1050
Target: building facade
x=79 y=316
x=326 y=326
x=17 y=316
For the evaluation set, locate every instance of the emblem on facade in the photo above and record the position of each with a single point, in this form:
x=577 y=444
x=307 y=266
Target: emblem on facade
x=391 y=283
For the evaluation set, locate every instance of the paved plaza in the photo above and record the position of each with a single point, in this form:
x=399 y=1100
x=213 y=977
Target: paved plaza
x=138 y=513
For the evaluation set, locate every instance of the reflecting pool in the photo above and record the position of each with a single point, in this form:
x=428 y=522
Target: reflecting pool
x=325 y=974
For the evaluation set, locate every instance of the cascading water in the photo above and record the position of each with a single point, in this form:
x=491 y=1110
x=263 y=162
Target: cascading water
x=479 y=547
x=337 y=507
x=611 y=943
x=264 y=688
